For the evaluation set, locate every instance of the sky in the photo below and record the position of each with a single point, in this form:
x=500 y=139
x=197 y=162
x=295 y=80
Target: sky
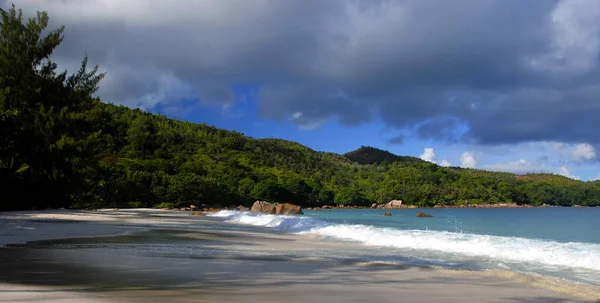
x=498 y=85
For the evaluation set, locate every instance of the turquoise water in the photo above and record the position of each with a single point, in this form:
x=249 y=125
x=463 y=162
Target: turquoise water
x=559 y=224
x=557 y=242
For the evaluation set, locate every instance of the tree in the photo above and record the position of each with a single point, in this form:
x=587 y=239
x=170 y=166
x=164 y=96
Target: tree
x=41 y=113
x=350 y=196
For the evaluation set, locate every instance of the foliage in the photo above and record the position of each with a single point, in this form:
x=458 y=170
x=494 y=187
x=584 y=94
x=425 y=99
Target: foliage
x=59 y=146
x=43 y=115
x=350 y=196
x=372 y=155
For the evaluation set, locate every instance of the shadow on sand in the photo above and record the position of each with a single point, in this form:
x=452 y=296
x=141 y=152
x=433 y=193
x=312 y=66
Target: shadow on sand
x=87 y=266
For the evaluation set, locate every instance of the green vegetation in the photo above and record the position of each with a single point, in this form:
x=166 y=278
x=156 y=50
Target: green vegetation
x=61 y=147
x=371 y=155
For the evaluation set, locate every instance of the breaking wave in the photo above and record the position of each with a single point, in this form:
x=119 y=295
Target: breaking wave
x=544 y=253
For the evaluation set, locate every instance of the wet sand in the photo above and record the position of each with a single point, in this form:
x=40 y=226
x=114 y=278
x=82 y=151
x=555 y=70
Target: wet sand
x=232 y=266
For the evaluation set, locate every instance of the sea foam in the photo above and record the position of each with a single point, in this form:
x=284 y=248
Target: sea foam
x=544 y=253
x=292 y=224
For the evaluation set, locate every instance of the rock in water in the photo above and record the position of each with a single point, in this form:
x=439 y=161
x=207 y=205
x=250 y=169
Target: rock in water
x=423 y=215
x=387 y=214
x=394 y=204
x=263 y=207
x=197 y=213
x=242 y=208
x=374 y=205
x=288 y=209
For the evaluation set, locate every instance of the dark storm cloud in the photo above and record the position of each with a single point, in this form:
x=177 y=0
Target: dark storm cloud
x=506 y=71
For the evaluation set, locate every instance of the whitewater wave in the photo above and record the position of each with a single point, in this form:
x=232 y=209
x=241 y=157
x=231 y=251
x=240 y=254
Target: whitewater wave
x=505 y=249
x=292 y=224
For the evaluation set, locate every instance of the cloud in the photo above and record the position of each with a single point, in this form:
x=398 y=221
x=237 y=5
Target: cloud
x=492 y=71
x=575 y=38
x=170 y=90
x=525 y=167
x=564 y=171
x=558 y=146
x=574 y=153
x=583 y=152
x=396 y=140
x=428 y=155
x=467 y=160
x=521 y=166
x=445 y=163
x=306 y=123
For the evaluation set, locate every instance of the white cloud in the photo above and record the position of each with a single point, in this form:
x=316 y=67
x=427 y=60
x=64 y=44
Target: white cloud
x=467 y=159
x=523 y=166
x=575 y=39
x=518 y=167
x=564 y=171
x=305 y=123
x=170 y=89
x=445 y=163
x=596 y=178
x=428 y=155
x=583 y=152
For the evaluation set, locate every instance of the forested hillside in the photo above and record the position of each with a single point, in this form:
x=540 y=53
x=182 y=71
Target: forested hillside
x=372 y=155
x=61 y=147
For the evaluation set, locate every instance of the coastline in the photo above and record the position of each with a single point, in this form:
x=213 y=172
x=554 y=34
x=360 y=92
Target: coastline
x=481 y=205
x=251 y=266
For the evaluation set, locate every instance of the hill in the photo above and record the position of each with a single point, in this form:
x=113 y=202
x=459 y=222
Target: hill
x=549 y=178
x=372 y=155
x=145 y=160
x=61 y=147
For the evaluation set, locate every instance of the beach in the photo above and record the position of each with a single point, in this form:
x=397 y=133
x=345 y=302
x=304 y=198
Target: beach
x=146 y=255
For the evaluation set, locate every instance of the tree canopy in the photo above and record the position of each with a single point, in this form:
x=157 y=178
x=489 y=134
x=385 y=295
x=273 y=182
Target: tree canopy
x=62 y=147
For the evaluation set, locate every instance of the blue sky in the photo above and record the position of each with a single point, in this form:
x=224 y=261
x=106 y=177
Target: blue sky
x=498 y=85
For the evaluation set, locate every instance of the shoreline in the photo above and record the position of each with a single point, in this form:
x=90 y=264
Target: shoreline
x=482 y=205
x=217 y=208
x=382 y=282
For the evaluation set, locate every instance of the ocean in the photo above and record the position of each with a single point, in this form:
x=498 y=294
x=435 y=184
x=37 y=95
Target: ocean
x=562 y=243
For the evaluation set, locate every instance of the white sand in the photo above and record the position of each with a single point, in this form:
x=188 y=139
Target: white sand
x=256 y=270
x=23 y=226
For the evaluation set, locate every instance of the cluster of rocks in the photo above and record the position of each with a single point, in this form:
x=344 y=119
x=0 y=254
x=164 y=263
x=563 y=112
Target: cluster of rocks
x=276 y=208
x=292 y=209
x=288 y=208
x=394 y=204
x=257 y=207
